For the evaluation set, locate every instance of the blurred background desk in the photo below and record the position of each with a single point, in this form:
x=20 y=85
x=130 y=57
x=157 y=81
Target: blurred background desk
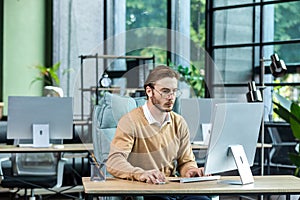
x=71 y=175
x=69 y=151
x=72 y=148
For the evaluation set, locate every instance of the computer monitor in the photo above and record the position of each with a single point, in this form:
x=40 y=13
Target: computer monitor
x=198 y=114
x=40 y=119
x=233 y=139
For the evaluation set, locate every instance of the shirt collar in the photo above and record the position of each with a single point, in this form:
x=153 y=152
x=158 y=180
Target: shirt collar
x=151 y=119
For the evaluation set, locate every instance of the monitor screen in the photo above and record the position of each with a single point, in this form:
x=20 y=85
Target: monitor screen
x=24 y=112
x=198 y=112
x=234 y=124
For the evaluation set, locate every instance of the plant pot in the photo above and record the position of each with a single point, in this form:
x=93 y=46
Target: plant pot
x=53 y=91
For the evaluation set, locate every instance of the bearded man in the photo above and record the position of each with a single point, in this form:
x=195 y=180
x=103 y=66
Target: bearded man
x=152 y=142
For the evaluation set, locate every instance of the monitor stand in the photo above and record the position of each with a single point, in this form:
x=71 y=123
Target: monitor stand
x=242 y=164
x=40 y=135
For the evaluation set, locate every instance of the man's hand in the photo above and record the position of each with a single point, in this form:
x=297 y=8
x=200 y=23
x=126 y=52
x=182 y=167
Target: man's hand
x=194 y=172
x=153 y=177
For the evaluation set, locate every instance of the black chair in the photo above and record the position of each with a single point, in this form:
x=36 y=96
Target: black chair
x=32 y=171
x=283 y=143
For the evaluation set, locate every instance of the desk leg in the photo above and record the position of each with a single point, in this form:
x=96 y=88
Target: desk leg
x=268 y=161
x=88 y=196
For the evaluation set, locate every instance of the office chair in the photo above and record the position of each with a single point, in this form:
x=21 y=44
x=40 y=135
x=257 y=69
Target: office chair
x=16 y=172
x=32 y=171
x=281 y=147
x=105 y=118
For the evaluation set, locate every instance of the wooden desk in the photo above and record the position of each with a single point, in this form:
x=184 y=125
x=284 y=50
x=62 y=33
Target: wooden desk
x=263 y=185
x=67 y=148
x=78 y=148
x=82 y=149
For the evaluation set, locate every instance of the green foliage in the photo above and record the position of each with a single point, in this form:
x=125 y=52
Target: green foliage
x=49 y=75
x=140 y=14
x=295 y=126
x=295 y=120
x=292 y=117
x=146 y=14
x=287 y=27
x=282 y=112
x=197 y=27
x=295 y=158
x=192 y=76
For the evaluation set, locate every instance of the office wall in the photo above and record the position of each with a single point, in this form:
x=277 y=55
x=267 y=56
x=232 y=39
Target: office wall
x=77 y=32
x=23 y=47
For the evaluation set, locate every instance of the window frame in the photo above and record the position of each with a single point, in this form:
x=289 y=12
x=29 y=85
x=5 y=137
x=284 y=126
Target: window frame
x=256 y=71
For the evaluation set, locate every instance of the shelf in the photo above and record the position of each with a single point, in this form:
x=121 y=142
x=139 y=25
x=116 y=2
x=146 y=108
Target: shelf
x=93 y=89
x=144 y=64
x=82 y=122
x=117 y=57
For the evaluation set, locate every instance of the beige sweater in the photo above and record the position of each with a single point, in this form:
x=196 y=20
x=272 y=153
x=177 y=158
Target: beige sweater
x=139 y=146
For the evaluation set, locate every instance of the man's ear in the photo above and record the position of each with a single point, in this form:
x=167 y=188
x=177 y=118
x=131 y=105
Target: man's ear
x=149 y=91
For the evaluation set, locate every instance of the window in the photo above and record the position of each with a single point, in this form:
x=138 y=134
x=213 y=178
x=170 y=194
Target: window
x=241 y=34
x=197 y=32
x=141 y=17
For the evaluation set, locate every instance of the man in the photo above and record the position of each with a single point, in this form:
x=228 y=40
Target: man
x=152 y=141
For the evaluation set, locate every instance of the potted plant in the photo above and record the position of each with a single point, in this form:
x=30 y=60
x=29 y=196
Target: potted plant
x=290 y=112
x=50 y=78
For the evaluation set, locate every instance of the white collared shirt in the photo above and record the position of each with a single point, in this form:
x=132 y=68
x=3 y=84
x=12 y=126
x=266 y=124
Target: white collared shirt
x=151 y=119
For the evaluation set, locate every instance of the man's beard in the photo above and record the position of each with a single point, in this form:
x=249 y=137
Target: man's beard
x=156 y=103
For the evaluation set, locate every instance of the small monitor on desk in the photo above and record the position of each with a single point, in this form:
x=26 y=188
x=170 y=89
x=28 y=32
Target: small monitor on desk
x=233 y=139
x=40 y=119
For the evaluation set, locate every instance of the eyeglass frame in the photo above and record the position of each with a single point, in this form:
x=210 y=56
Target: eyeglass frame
x=176 y=93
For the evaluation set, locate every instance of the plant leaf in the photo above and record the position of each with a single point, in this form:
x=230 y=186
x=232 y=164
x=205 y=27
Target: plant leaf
x=282 y=112
x=295 y=120
x=295 y=158
x=36 y=79
x=56 y=66
x=65 y=71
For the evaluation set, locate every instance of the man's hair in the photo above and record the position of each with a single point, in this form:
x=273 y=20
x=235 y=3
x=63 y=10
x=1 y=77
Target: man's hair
x=159 y=73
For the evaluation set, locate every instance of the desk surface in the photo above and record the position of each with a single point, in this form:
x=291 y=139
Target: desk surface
x=262 y=185
x=80 y=147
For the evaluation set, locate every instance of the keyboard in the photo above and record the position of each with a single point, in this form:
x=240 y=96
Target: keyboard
x=29 y=145
x=194 y=179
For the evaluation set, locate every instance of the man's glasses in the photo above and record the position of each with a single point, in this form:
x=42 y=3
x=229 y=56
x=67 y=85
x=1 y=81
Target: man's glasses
x=166 y=93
